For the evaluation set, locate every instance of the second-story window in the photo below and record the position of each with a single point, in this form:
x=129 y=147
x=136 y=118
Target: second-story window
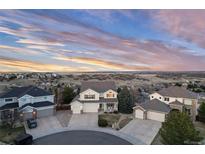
x=8 y=99
x=166 y=99
x=110 y=95
x=89 y=96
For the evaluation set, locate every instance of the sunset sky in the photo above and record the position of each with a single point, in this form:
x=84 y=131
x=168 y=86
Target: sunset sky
x=102 y=40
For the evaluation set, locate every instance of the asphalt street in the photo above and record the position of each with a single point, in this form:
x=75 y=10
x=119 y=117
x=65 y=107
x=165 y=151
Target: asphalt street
x=81 y=138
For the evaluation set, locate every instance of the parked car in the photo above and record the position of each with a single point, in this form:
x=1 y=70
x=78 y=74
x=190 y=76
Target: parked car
x=32 y=123
x=24 y=139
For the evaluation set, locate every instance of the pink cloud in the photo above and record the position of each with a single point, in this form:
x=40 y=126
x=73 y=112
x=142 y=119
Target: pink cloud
x=187 y=24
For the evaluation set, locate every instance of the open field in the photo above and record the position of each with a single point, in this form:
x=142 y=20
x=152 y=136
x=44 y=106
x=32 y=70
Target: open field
x=148 y=81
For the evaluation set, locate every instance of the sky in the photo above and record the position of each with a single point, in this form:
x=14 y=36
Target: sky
x=102 y=40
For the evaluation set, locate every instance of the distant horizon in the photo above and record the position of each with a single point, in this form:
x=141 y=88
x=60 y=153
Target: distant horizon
x=116 y=72
x=102 y=40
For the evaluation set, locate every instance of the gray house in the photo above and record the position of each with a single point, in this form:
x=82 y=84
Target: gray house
x=26 y=102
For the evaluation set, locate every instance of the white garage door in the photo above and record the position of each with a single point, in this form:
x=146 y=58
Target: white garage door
x=156 y=116
x=90 y=107
x=139 y=114
x=76 y=107
x=45 y=112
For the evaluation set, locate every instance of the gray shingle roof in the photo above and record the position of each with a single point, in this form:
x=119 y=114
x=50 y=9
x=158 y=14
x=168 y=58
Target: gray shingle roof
x=38 y=104
x=176 y=103
x=155 y=105
x=9 y=106
x=98 y=86
x=175 y=91
x=20 y=91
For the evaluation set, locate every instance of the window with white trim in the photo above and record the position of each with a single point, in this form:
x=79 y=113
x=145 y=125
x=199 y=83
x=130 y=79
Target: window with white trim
x=89 y=96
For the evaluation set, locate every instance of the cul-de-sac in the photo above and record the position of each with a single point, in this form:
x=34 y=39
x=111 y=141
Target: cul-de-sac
x=102 y=76
x=98 y=111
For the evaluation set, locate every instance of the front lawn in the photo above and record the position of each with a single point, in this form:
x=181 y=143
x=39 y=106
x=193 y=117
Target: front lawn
x=111 y=118
x=7 y=134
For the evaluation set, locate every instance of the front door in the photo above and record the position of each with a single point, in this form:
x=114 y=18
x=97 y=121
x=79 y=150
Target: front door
x=110 y=107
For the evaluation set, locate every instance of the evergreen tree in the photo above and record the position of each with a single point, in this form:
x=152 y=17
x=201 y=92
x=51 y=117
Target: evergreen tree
x=202 y=110
x=125 y=104
x=68 y=95
x=178 y=129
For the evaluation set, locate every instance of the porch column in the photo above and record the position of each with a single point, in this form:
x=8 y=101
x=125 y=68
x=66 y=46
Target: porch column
x=115 y=106
x=105 y=107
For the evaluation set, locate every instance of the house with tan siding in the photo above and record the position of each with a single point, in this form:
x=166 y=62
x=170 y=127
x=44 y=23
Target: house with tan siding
x=173 y=98
x=95 y=97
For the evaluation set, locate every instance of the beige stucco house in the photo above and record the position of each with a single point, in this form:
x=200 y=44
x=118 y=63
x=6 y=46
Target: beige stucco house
x=95 y=97
x=161 y=102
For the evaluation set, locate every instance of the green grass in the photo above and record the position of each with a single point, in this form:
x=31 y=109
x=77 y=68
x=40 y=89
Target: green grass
x=111 y=118
x=7 y=135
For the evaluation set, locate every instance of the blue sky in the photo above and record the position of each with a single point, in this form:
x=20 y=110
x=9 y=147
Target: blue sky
x=102 y=40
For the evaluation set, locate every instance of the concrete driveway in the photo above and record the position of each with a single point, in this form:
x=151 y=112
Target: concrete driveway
x=46 y=125
x=145 y=130
x=84 y=121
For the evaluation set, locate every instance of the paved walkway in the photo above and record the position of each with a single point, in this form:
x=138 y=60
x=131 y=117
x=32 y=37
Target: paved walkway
x=145 y=130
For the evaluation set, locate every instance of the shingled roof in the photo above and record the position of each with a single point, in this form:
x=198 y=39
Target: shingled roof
x=20 y=91
x=9 y=106
x=176 y=102
x=155 y=105
x=175 y=91
x=38 y=104
x=98 y=86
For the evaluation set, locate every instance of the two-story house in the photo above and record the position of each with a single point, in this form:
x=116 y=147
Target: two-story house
x=95 y=96
x=165 y=100
x=26 y=102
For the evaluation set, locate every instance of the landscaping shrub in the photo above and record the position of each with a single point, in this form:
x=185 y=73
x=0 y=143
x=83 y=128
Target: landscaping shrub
x=115 y=112
x=62 y=107
x=102 y=122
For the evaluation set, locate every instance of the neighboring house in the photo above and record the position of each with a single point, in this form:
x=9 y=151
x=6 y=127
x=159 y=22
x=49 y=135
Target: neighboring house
x=202 y=95
x=153 y=110
x=26 y=102
x=161 y=102
x=95 y=97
